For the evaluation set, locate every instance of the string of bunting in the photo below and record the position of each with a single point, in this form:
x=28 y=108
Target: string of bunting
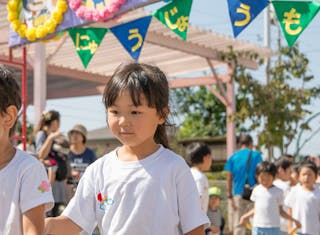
x=131 y=35
x=293 y=17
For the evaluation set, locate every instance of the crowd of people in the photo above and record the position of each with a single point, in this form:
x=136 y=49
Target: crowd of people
x=142 y=187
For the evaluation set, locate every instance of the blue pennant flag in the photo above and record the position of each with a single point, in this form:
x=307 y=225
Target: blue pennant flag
x=243 y=12
x=131 y=35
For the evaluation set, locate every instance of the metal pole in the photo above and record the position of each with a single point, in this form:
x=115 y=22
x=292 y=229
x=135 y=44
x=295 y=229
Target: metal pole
x=24 y=97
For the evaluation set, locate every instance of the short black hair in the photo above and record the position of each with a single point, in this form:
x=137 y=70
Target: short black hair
x=308 y=164
x=295 y=168
x=283 y=162
x=266 y=167
x=195 y=152
x=245 y=139
x=10 y=92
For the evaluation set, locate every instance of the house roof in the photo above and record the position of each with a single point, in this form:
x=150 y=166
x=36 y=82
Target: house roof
x=68 y=78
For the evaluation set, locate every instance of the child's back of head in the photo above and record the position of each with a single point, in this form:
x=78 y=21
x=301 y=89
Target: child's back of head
x=10 y=92
x=195 y=153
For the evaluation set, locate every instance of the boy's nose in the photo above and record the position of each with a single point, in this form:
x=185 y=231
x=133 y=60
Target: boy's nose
x=123 y=121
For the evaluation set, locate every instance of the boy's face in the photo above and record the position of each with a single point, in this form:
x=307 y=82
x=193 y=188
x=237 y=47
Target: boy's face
x=284 y=175
x=214 y=202
x=265 y=179
x=307 y=177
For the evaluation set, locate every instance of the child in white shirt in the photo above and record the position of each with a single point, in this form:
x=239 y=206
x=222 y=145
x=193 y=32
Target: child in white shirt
x=142 y=187
x=25 y=190
x=268 y=202
x=198 y=156
x=282 y=181
x=304 y=200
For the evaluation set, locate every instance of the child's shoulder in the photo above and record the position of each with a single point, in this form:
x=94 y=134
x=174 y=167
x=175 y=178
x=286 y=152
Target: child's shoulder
x=23 y=158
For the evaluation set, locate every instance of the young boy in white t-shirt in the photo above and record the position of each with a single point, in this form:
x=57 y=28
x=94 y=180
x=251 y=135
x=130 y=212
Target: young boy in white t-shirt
x=282 y=181
x=304 y=200
x=198 y=156
x=25 y=189
x=268 y=202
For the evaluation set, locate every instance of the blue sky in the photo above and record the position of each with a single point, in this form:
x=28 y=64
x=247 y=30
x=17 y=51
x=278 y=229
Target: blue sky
x=212 y=15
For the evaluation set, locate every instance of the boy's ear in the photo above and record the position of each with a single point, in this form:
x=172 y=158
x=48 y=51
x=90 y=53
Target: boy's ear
x=163 y=118
x=10 y=116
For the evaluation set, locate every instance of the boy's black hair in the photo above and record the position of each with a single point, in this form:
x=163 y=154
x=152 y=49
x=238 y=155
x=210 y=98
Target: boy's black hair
x=289 y=157
x=308 y=164
x=283 y=162
x=295 y=168
x=245 y=139
x=9 y=92
x=195 y=153
x=267 y=167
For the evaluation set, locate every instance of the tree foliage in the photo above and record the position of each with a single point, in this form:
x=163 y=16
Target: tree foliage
x=202 y=112
x=275 y=110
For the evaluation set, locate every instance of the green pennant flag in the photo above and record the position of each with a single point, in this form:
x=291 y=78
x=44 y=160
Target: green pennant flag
x=87 y=41
x=294 y=17
x=175 y=16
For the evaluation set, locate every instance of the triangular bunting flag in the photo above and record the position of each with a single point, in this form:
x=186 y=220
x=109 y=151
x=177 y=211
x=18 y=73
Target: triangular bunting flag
x=294 y=17
x=175 y=16
x=243 y=12
x=87 y=41
x=131 y=35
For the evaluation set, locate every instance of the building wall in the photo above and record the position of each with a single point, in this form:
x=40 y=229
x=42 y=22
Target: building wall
x=102 y=147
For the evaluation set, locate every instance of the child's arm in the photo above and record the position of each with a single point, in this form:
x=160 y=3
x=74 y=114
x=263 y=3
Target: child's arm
x=61 y=225
x=289 y=217
x=246 y=216
x=197 y=231
x=33 y=221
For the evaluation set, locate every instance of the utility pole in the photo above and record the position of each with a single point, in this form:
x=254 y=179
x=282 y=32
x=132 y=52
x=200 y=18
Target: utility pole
x=267 y=43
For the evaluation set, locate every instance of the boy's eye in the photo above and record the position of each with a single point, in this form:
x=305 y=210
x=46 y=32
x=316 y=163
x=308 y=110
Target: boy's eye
x=113 y=111
x=135 y=112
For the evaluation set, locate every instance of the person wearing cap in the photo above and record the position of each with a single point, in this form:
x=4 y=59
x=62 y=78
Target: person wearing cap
x=80 y=156
x=214 y=213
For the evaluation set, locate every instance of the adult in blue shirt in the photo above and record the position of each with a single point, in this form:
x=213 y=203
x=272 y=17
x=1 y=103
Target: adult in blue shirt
x=237 y=174
x=80 y=156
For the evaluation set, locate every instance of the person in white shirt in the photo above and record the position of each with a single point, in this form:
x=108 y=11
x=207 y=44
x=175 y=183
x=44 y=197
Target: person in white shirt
x=25 y=188
x=282 y=181
x=142 y=187
x=198 y=156
x=304 y=200
x=268 y=202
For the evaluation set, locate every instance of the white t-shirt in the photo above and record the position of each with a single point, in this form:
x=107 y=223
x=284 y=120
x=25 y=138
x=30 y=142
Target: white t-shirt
x=266 y=206
x=24 y=185
x=285 y=187
x=305 y=207
x=156 y=195
x=203 y=187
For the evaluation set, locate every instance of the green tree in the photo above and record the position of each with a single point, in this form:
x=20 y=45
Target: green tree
x=202 y=113
x=277 y=109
